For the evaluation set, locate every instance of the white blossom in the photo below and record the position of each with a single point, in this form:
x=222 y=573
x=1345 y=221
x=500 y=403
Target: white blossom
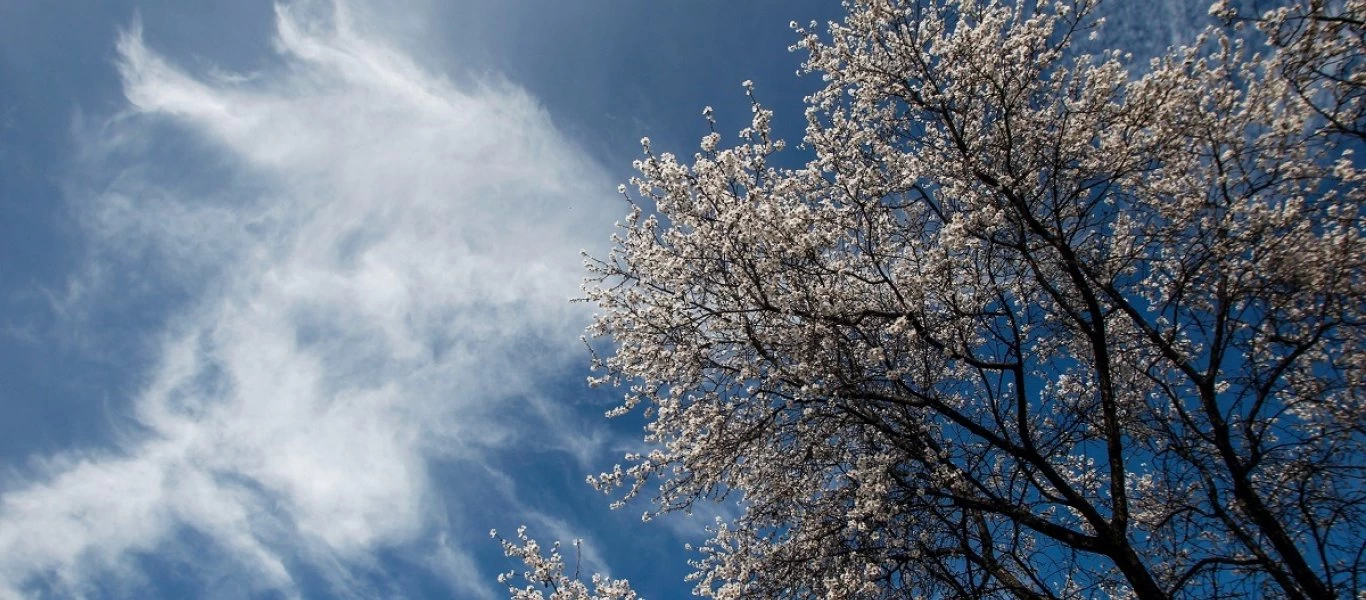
x=545 y=573
x=1025 y=325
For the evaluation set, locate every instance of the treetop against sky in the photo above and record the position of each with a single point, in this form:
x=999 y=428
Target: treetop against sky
x=286 y=299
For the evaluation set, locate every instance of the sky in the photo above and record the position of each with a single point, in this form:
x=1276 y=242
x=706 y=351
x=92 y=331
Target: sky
x=285 y=287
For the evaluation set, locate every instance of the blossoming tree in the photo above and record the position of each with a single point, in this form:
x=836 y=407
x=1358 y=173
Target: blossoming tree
x=1026 y=325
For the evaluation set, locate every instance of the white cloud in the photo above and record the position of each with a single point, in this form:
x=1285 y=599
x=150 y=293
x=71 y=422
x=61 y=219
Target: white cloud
x=381 y=266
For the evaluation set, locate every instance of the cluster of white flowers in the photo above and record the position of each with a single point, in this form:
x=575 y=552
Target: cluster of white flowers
x=546 y=573
x=1024 y=326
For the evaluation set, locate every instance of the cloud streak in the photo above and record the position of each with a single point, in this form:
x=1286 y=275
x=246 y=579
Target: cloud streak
x=377 y=272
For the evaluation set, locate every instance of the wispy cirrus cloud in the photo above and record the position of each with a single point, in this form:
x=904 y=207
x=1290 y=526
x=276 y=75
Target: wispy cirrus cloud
x=371 y=264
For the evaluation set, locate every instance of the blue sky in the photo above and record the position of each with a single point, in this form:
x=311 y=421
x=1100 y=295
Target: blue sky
x=284 y=287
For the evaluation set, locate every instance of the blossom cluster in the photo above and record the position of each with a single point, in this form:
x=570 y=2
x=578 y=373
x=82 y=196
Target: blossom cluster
x=1026 y=325
x=545 y=571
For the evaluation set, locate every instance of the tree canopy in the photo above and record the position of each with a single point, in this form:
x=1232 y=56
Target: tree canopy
x=1030 y=323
